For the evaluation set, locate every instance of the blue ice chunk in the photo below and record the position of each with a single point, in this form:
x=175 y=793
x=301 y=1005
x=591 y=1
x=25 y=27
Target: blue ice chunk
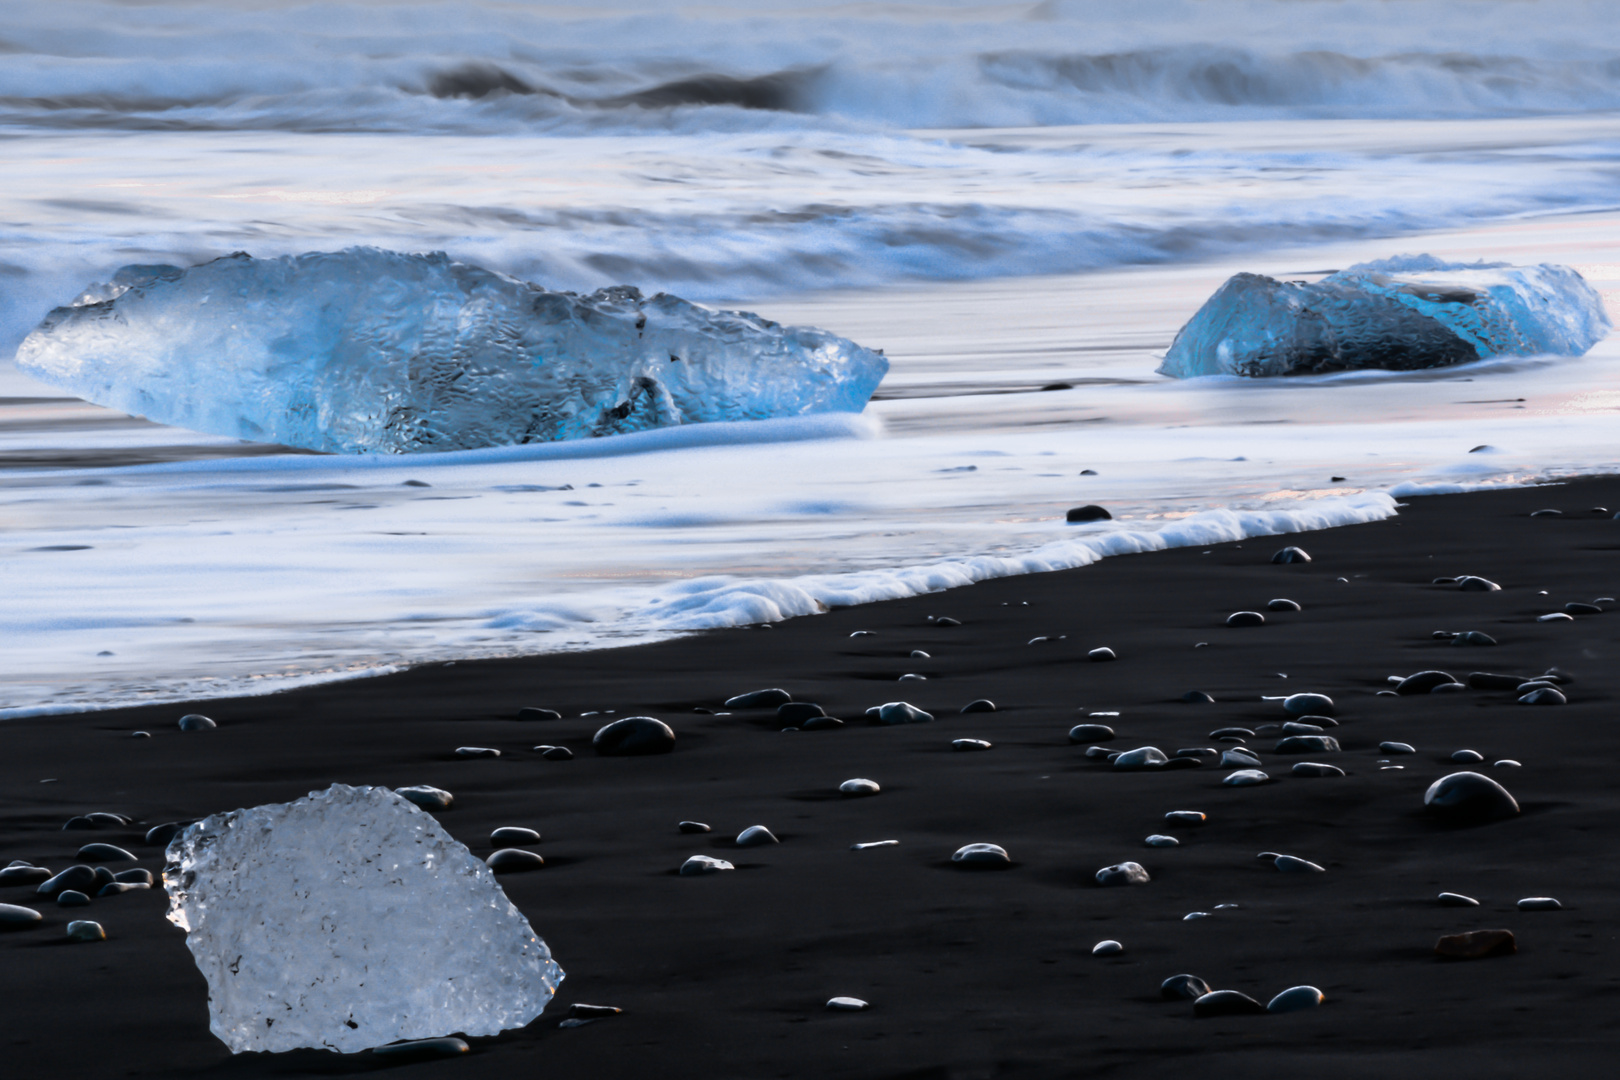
x=1399 y=314
x=368 y=351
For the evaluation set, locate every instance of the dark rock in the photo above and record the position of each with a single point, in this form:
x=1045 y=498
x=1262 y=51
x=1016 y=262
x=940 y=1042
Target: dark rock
x=1227 y=1003
x=1452 y=899
x=1291 y=555
x=1295 y=999
x=981 y=857
x=477 y=752
x=634 y=736
x=756 y=836
x=1471 y=583
x=1319 y=721
x=1316 y=769
x=513 y=834
x=1186 y=817
x=1183 y=988
x=1197 y=752
x=1240 y=757
x=160 y=835
x=1245 y=778
x=1467 y=757
x=797 y=712
x=1109 y=947
x=557 y=753
x=85 y=930
x=1423 y=682
x=17 y=917
x=1086 y=733
x=426 y=796
x=579 y=1011
x=699 y=865
x=1578 y=608
x=532 y=713
x=1308 y=744
x=196 y=722
x=1473 y=637
x=105 y=853
x=514 y=861
x=1544 y=696
x=821 y=723
x=1183 y=761
x=1095 y=752
x=692 y=827
x=1125 y=873
x=113 y=888
x=1302 y=704
x=1397 y=748
x=72 y=898
x=24 y=875
x=1245 y=618
x=422 y=1049
x=1467 y=798
x=74 y=877
x=902 y=712
x=1476 y=945
x=759 y=699
x=1282 y=605
x=969 y=744
x=1300 y=727
x=1546 y=513
x=1230 y=732
x=1539 y=903
x=1088 y=513
x=981 y=705
x=859 y=787
x=1293 y=864
x=945 y=621
x=1485 y=680
x=76 y=823
x=1449 y=688
x=1197 y=697
x=1101 y=655
x=102 y=818
x=1143 y=757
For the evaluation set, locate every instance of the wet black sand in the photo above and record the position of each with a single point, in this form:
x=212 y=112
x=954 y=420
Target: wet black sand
x=969 y=974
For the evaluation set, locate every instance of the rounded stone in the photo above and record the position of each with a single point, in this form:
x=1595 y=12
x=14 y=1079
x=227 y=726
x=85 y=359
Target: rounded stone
x=1227 y=1003
x=1161 y=840
x=1245 y=778
x=423 y=1049
x=1125 y=873
x=1556 y=616
x=704 y=864
x=1505 y=763
x=1291 y=864
x=1097 y=752
x=634 y=736
x=981 y=705
x=513 y=834
x=797 y=712
x=1198 y=697
x=1183 y=988
x=1295 y=999
x=1239 y=757
x=902 y=712
x=426 y=796
x=196 y=722
x=692 y=827
x=1245 y=618
x=1578 y=608
x=1316 y=769
x=1472 y=583
x=1291 y=555
x=858 y=787
x=847 y=1004
x=1088 y=733
x=1087 y=513
x=477 y=752
x=1452 y=899
x=1307 y=704
x=918 y=654
x=912 y=677
x=85 y=930
x=1467 y=757
x=1423 y=682
x=1186 y=817
x=1282 y=605
x=969 y=744
x=160 y=835
x=1449 y=688
x=1539 y=903
x=1107 y=948
x=756 y=836
x=1546 y=695
x=114 y=888
x=1299 y=727
x=1143 y=757
x=72 y=898
x=24 y=875
x=759 y=699
x=1476 y=945
x=532 y=713
x=981 y=856
x=1308 y=744
x=1467 y=798
x=74 y=877
x=1230 y=733
x=1473 y=637
x=1102 y=655
x=1396 y=748
x=557 y=753
x=514 y=861
x=17 y=917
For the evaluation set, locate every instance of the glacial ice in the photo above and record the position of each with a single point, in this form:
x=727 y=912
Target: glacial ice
x=346 y=920
x=366 y=350
x=1399 y=314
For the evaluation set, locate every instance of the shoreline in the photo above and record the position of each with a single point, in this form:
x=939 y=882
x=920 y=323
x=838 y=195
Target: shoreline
x=969 y=975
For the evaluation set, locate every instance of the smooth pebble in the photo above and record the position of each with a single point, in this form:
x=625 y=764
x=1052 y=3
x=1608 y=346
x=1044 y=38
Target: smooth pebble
x=1125 y=873
x=859 y=786
x=704 y=864
x=1161 y=840
x=1295 y=999
x=981 y=855
x=969 y=744
x=1245 y=778
x=513 y=834
x=1107 y=948
x=85 y=930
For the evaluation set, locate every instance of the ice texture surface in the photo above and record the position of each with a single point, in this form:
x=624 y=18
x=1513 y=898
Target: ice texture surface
x=348 y=919
x=1408 y=312
x=366 y=350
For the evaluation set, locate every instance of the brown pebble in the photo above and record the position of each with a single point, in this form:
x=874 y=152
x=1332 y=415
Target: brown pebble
x=1476 y=945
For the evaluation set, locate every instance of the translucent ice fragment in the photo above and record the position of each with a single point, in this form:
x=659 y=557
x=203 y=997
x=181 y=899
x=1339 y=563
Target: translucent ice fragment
x=1409 y=312
x=349 y=919
x=367 y=350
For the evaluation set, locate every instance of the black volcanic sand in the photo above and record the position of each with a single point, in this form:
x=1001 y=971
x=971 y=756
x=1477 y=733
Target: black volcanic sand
x=984 y=974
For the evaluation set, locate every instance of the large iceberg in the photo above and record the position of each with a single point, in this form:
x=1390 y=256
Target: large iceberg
x=1400 y=314
x=346 y=920
x=367 y=350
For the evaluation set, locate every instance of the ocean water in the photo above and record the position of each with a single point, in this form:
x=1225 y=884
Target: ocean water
x=1004 y=197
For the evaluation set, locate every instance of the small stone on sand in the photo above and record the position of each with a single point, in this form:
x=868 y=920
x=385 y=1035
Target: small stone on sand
x=1308 y=704
x=1473 y=637
x=1467 y=798
x=969 y=744
x=1291 y=864
x=1227 y=1003
x=981 y=705
x=981 y=856
x=477 y=752
x=17 y=917
x=1143 y=757
x=1198 y=697
x=847 y=1004
x=1245 y=618
x=763 y=699
x=1546 y=695
x=1453 y=899
x=513 y=834
x=1467 y=757
x=426 y=796
x=692 y=827
x=1125 y=873
x=196 y=722
x=1316 y=769
x=1476 y=945
x=538 y=714
x=1423 y=682
x=634 y=736
x=1396 y=748
x=1107 y=948
x=1291 y=555
x=1308 y=744
x=1245 y=778
x=902 y=712
x=704 y=864
x=870 y=844
x=1102 y=655
x=105 y=853
x=1186 y=817
x=1161 y=840
x=514 y=861
x=423 y=1049
x=1281 y=604
x=72 y=898
x=1087 y=513
x=859 y=787
x=1295 y=999
x=1539 y=903
x=1471 y=583
x=1087 y=733
x=756 y=836
x=85 y=930
x=1183 y=988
